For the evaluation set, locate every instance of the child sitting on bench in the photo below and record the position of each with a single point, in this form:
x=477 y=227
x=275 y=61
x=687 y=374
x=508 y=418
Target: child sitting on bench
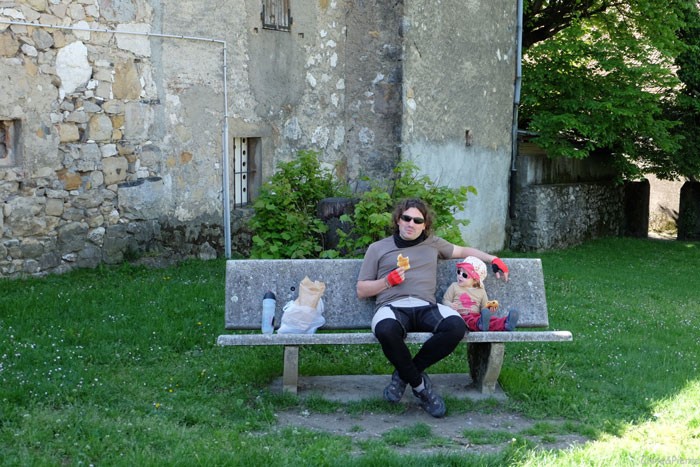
x=468 y=297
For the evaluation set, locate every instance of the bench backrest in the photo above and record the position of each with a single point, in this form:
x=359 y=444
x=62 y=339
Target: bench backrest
x=248 y=280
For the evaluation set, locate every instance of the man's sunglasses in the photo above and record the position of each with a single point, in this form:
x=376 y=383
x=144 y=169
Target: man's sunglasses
x=417 y=220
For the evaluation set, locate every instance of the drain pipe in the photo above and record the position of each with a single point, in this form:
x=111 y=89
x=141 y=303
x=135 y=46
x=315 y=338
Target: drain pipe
x=518 y=80
x=224 y=161
x=516 y=103
x=224 y=166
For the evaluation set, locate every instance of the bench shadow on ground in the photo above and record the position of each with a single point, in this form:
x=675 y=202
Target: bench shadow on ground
x=447 y=435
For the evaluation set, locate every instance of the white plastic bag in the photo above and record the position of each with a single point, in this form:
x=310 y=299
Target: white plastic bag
x=301 y=319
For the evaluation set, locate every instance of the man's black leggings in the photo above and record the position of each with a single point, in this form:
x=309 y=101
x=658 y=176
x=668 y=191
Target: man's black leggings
x=447 y=333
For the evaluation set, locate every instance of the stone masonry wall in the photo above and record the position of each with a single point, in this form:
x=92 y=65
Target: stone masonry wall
x=120 y=128
x=112 y=115
x=557 y=203
x=559 y=216
x=106 y=165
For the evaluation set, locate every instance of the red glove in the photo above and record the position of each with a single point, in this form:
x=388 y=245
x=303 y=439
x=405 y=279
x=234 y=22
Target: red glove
x=394 y=278
x=499 y=266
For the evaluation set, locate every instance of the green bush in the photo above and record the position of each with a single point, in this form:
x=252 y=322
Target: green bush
x=371 y=220
x=286 y=224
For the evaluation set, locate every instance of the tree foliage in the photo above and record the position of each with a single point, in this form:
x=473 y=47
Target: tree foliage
x=599 y=76
x=686 y=107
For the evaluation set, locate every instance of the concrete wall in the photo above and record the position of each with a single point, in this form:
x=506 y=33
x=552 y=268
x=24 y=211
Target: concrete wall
x=459 y=76
x=121 y=143
x=664 y=203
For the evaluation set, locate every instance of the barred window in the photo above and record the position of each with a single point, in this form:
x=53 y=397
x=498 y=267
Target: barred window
x=276 y=15
x=247 y=178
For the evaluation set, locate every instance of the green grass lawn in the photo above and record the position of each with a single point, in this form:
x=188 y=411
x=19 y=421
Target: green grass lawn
x=119 y=366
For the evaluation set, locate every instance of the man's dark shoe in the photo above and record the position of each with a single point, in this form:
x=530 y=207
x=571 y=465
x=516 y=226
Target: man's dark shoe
x=430 y=400
x=512 y=320
x=426 y=380
x=394 y=391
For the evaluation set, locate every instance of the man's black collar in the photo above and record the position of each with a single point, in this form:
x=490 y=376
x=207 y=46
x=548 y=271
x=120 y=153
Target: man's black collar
x=401 y=243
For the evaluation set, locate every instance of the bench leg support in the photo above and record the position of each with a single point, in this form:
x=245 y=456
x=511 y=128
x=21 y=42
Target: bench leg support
x=290 y=376
x=485 y=361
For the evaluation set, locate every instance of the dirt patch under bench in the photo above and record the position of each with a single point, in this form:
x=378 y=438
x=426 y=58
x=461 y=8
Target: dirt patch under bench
x=448 y=434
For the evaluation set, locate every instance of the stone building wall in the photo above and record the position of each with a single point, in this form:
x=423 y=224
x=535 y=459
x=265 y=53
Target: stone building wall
x=112 y=114
x=107 y=165
x=459 y=85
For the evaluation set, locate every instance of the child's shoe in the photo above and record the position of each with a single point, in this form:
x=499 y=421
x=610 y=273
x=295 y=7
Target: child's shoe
x=485 y=319
x=512 y=320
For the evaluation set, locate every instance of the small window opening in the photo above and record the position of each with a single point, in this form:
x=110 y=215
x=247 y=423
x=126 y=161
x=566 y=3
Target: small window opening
x=9 y=142
x=276 y=15
x=246 y=178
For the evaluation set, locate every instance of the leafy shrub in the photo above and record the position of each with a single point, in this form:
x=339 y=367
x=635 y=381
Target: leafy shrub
x=371 y=220
x=286 y=224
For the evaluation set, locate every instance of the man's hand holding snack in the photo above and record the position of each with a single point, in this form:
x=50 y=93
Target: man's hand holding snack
x=395 y=277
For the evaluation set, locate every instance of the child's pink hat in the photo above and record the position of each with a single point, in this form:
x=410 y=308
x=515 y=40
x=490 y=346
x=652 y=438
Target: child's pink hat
x=471 y=272
x=476 y=265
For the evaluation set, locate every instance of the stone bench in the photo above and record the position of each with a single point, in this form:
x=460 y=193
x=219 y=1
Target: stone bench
x=248 y=280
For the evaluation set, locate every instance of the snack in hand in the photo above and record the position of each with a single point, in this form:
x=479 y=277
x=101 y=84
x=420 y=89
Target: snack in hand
x=492 y=305
x=402 y=262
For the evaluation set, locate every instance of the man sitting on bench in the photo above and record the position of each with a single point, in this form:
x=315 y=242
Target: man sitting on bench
x=401 y=272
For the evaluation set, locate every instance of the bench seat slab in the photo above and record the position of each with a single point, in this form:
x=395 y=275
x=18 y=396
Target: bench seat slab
x=325 y=338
